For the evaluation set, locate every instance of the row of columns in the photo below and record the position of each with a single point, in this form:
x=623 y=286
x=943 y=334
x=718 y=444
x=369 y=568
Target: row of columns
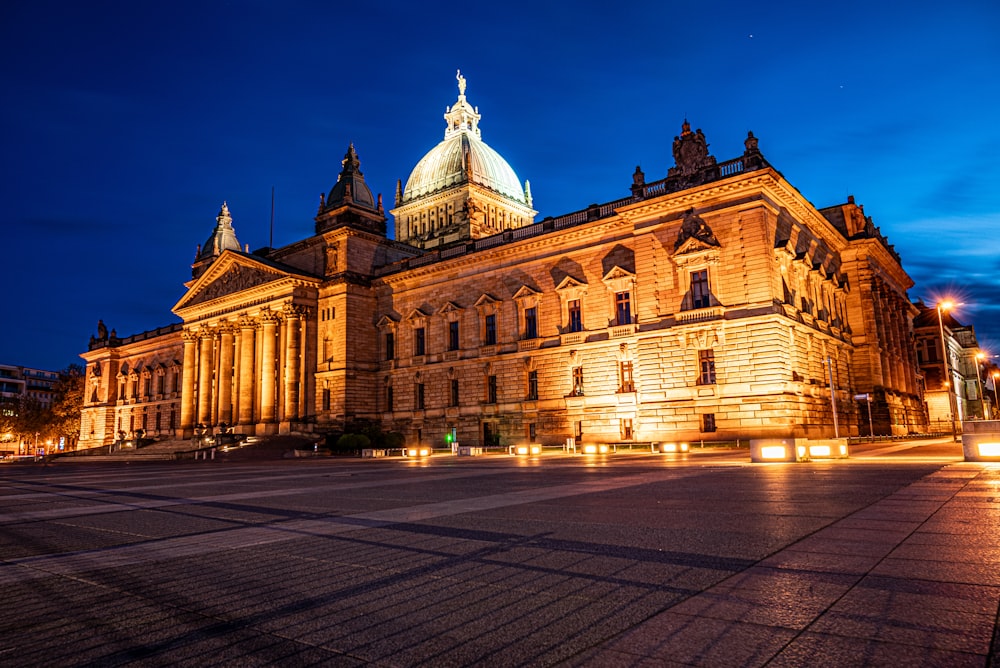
x=231 y=370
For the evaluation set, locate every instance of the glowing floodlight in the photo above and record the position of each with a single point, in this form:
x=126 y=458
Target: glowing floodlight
x=819 y=451
x=989 y=449
x=773 y=452
x=421 y=451
x=595 y=449
x=674 y=447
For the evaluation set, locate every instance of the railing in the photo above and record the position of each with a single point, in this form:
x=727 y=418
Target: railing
x=619 y=331
x=730 y=167
x=700 y=315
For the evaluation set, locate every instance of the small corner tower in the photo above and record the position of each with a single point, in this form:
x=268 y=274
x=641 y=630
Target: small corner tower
x=223 y=237
x=350 y=201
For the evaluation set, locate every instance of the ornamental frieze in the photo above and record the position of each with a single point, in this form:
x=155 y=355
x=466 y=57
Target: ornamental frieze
x=237 y=278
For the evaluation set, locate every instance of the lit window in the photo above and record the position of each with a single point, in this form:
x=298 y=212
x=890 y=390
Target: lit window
x=706 y=364
x=708 y=422
x=700 y=296
x=623 y=308
x=577 y=381
x=531 y=323
x=575 y=316
x=626 y=429
x=626 y=383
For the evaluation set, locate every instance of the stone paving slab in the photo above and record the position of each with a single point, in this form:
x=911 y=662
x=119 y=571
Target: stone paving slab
x=495 y=561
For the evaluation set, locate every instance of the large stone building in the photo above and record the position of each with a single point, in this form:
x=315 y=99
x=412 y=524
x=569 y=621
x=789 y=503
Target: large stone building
x=714 y=303
x=953 y=397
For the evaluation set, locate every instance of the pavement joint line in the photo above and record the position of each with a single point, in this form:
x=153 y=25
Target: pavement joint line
x=112 y=506
x=959 y=482
x=16 y=570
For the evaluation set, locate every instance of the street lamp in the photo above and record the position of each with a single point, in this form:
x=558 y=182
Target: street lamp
x=980 y=356
x=941 y=307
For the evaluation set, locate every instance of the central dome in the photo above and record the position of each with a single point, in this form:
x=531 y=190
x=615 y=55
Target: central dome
x=458 y=159
x=462 y=158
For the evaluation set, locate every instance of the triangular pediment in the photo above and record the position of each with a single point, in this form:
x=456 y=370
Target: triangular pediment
x=694 y=245
x=568 y=283
x=385 y=322
x=486 y=299
x=617 y=273
x=229 y=274
x=524 y=292
x=416 y=314
x=449 y=307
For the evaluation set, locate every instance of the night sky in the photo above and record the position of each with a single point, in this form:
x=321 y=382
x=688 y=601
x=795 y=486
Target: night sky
x=125 y=126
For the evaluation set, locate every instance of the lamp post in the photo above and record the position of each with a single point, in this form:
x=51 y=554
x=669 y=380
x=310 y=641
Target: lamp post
x=941 y=307
x=980 y=356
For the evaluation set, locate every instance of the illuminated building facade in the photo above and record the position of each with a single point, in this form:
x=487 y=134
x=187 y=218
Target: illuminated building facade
x=962 y=381
x=715 y=303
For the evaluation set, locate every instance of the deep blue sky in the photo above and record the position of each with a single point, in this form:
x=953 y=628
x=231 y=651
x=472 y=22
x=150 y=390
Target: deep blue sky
x=126 y=124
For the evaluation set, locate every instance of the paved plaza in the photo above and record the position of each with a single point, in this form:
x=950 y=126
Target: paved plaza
x=889 y=558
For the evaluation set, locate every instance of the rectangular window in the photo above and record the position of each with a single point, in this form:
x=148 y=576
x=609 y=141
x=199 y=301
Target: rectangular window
x=491 y=389
x=626 y=429
x=706 y=370
x=531 y=323
x=532 y=385
x=575 y=316
x=390 y=346
x=326 y=399
x=578 y=429
x=453 y=335
x=454 y=392
x=577 y=381
x=420 y=396
x=623 y=308
x=388 y=398
x=626 y=383
x=700 y=297
x=491 y=329
x=418 y=341
x=531 y=432
x=708 y=422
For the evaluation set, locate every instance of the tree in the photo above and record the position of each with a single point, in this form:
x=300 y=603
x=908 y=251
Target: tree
x=67 y=405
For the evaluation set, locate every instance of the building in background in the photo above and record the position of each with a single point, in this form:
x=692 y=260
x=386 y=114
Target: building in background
x=962 y=381
x=713 y=303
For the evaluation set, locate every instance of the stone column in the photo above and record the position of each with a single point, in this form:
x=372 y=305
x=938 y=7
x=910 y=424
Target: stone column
x=225 y=374
x=267 y=385
x=188 y=372
x=247 y=371
x=292 y=363
x=206 y=365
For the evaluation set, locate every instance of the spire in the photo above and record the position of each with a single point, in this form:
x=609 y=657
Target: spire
x=527 y=192
x=399 y=191
x=461 y=116
x=223 y=237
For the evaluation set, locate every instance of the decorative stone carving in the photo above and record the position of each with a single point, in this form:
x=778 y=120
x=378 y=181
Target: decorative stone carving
x=237 y=278
x=694 y=227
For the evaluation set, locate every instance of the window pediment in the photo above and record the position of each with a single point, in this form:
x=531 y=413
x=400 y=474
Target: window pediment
x=695 y=252
x=449 y=308
x=417 y=316
x=570 y=288
x=526 y=292
x=385 y=322
x=619 y=280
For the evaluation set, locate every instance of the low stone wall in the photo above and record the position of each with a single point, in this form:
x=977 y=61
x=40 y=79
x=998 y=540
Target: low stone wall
x=797 y=449
x=981 y=440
